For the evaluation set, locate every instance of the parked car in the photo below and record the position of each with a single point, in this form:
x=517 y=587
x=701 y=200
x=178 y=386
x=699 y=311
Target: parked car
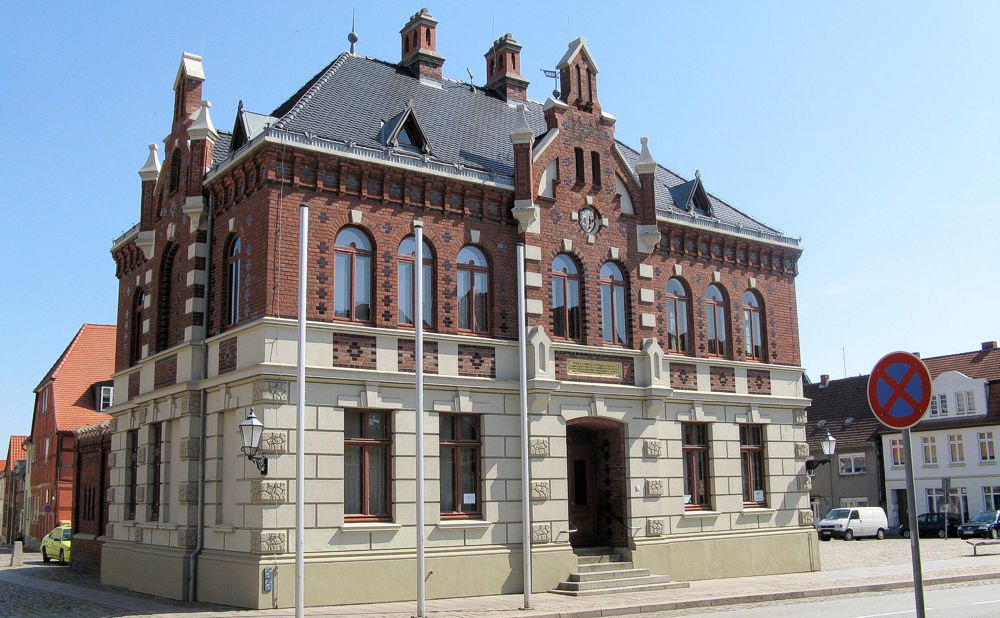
x=934 y=524
x=852 y=523
x=985 y=524
x=57 y=544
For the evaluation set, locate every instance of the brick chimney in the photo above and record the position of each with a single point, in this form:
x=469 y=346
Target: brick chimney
x=824 y=380
x=503 y=70
x=187 y=87
x=418 y=42
x=989 y=345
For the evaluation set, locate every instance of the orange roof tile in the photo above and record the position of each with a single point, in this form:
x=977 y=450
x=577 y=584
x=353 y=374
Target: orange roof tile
x=978 y=364
x=15 y=451
x=87 y=360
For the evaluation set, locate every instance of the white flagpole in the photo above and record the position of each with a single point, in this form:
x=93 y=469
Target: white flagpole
x=522 y=352
x=418 y=323
x=300 y=425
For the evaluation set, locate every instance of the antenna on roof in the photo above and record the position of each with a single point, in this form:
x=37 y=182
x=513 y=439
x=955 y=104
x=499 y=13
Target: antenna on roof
x=472 y=79
x=353 y=36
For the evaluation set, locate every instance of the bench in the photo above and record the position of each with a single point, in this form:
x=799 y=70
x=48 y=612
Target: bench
x=977 y=544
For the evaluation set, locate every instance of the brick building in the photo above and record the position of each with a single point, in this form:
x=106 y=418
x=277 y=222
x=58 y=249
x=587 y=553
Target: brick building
x=664 y=386
x=92 y=477
x=13 y=501
x=70 y=396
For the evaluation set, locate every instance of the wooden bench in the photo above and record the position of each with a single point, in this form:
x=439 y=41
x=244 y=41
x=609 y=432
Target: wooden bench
x=977 y=544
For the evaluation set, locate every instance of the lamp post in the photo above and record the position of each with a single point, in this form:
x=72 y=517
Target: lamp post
x=829 y=446
x=251 y=429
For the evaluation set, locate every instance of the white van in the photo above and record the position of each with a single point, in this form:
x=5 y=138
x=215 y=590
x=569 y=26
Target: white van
x=854 y=522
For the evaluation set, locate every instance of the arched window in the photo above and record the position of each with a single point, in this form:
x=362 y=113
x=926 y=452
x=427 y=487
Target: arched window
x=716 y=321
x=405 y=291
x=233 y=256
x=352 y=275
x=566 y=318
x=166 y=306
x=612 y=283
x=473 y=290
x=677 y=317
x=135 y=336
x=753 y=333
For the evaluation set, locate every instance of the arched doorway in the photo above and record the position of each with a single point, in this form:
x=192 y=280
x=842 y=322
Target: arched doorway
x=598 y=493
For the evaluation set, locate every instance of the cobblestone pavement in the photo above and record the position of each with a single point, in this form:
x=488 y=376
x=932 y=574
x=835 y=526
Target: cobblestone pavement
x=836 y=554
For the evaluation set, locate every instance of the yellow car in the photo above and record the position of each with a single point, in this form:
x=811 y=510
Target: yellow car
x=56 y=544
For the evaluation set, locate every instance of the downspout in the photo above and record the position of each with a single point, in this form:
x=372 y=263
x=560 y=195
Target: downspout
x=193 y=560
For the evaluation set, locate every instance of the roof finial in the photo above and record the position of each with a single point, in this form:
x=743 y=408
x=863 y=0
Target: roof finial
x=353 y=36
x=697 y=174
x=646 y=164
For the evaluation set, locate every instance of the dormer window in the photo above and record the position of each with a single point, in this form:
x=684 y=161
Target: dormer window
x=405 y=140
x=105 y=397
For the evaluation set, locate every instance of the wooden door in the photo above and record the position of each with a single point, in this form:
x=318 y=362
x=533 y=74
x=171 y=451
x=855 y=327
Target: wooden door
x=582 y=510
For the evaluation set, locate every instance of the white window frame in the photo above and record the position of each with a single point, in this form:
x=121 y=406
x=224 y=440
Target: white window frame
x=852 y=469
x=929 y=445
x=897 y=452
x=991 y=497
x=852 y=503
x=987 y=445
x=110 y=392
x=956 y=448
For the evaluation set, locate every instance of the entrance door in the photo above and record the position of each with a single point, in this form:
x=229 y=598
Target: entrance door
x=582 y=510
x=902 y=506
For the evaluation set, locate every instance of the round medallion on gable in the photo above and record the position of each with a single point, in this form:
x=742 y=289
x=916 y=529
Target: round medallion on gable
x=589 y=221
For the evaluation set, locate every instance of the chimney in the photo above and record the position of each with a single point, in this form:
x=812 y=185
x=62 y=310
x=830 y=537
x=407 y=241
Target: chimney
x=917 y=354
x=187 y=86
x=824 y=380
x=989 y=345
x=418 y=40
x=503 y=70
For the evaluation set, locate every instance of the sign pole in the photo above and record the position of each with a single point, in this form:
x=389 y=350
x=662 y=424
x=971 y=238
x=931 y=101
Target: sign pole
x=911 y=499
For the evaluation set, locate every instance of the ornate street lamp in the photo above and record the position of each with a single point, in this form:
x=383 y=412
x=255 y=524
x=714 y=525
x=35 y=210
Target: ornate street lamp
x=828 y=444
x=252 y=429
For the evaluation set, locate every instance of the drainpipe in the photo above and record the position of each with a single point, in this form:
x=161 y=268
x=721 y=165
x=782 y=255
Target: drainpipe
x=193 y=560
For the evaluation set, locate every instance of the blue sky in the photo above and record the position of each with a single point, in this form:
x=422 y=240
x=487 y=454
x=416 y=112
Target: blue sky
x=870 y=130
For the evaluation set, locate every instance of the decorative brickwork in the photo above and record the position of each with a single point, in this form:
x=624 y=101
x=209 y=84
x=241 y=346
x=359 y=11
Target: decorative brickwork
x=227 y=355
x=586 y=367
x=355 y=351
x=407 y=356
x=133 y=384
x=165 y=373
x=478 y=361
x=759 y=381
x=683 y=377
x=723 y=379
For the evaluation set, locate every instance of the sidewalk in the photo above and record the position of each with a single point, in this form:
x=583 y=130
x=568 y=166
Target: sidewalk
x=700 y=594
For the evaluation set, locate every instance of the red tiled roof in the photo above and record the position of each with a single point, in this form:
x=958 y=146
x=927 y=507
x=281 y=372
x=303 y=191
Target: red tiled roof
x=978 y=364
x=15 y=452
x=89 y=359
x=3 y=466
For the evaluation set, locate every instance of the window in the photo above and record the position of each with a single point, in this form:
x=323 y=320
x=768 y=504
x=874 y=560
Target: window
x=612 y=284
x=991 y=498
x=175 y=170
x=460 y=444
x=850 y=503
x=677 y=317
x=939 y=405
x=132 y=469
x=898 y=452
x=473 y=290
x=853 y=464
x=45 y=399
x=367 y=446
x=752 y=333
x=595 y=168
x=965 y=402
x=752 y=457
x=233 y=256
x=716 y=320
x=579 y=165
x=156 y=458
x=935 y=499
x=956 y=448
x=407 y=256
x=566 y=315
x=987 y=450
x=168 y=309
x=107 y=394
x=930 y=449
x=694 y=438
x=352 y=277
x=135 y=336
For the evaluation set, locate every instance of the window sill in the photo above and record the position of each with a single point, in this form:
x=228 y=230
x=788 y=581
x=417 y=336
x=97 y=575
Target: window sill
x=700 y=514
x=957 y=464
x=930 y=465
x=462 y=524
x=156 y=525
x=988 y=462
x=752 y=509
x=370 y=526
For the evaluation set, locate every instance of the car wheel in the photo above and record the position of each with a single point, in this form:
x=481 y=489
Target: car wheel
x=906 y=534
x=62 y=557
x=941 y=534
x=45 y=555
x=880 y=535
x=994 y=534
x=849 y=535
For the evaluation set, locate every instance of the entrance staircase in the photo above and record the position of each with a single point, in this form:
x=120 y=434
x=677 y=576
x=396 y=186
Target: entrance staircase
x=600 y=570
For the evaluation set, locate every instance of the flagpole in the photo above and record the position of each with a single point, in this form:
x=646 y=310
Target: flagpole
x=300 y=415
x=418 y=323
x=523 y=387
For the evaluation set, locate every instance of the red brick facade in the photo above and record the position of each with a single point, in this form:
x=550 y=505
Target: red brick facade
x=90 y=500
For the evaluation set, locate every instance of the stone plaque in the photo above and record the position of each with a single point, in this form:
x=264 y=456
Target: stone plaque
x=654 y=487
x=268 y=492
x=541 y=533
x=539 y=447
x=805 y=483
x=271 y=390
x=593 y=368
x=267 y=542
x=654 y=527
x=805 y=517
x=801 y=450
x=274 y=442
x=652 y=448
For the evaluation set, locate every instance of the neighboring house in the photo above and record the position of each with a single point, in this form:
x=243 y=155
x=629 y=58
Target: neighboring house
x=70 y=396
x=854 y=476
x=3 y=498
x=955 y=465
x=664 y=379
x=13 y=494
x=90 y=498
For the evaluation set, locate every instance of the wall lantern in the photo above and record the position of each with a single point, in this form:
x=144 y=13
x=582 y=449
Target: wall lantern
x=252 y=429
x=828 y=444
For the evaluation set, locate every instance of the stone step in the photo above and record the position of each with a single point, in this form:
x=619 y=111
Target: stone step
x=608 y=575
x=605 y=584
x=597 y=558
x=603 y=567
x=621 y=589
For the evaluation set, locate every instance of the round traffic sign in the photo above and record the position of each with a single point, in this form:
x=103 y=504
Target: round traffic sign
x=899 y=390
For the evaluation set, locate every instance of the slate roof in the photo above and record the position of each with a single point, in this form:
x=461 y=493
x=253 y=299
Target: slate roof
x=352 y=99
x=833 y=405
x=221 y=151
x=87 y=360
